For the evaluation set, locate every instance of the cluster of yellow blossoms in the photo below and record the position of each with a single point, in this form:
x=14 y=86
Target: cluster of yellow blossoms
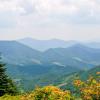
x=90 y=90
x=48 y=93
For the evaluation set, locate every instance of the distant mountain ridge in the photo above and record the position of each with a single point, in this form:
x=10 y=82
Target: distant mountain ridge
x=76 y=55
x=12 y=50
x=25 y=63
x=43 y=45
x=93 y=44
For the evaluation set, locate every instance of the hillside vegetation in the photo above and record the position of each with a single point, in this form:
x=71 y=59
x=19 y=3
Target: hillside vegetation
x=83 y=90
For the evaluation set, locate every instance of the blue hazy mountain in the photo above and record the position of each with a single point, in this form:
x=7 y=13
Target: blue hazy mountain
x=16 y=53
x=93 y=44
x=43 y=45
x=28 y=64
x=77 y=56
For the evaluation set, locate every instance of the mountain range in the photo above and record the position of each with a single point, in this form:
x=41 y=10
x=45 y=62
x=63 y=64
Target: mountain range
x=43 y=45
x=57 y=57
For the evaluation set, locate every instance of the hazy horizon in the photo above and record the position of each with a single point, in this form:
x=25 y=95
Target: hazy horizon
x=52 y=39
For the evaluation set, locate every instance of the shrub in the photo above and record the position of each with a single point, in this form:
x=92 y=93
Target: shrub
x=48 y=93
x=89 y=90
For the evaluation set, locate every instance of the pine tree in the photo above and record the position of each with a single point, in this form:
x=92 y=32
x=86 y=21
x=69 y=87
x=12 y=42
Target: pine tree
x=6 y=84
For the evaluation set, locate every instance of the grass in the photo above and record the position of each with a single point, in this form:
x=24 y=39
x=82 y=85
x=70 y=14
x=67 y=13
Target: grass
x=8 y=97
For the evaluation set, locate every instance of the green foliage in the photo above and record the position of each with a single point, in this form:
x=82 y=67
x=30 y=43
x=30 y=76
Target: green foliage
x=9 y=97
x=88 y=90
x=6 y=84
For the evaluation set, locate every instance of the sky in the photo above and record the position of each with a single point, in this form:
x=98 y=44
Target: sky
x=49 y=19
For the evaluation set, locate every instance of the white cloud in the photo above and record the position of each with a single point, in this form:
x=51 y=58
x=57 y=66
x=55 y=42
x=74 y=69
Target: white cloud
x=55 y=6
x=51 y=6
x=22 y=18
x=11 y=5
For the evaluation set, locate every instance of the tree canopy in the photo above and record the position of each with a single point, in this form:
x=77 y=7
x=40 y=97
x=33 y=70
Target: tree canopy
x=7 y=86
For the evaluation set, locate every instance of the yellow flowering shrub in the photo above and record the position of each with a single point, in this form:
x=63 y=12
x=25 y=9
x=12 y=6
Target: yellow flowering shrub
x=78 y=83
x=98 y=73
x=48 y=93
x=90 y=90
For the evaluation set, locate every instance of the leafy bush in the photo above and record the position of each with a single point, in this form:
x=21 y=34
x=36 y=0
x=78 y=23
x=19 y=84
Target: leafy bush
x=48 y=93
x=89 y=90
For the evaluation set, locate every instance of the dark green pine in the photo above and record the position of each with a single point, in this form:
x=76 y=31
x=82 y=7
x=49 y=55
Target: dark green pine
x=6 y=84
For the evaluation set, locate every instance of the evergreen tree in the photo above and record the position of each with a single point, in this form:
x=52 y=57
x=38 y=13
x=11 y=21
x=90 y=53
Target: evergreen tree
x=6 y=84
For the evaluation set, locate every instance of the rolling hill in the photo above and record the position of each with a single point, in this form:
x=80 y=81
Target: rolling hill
x=26 y=64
